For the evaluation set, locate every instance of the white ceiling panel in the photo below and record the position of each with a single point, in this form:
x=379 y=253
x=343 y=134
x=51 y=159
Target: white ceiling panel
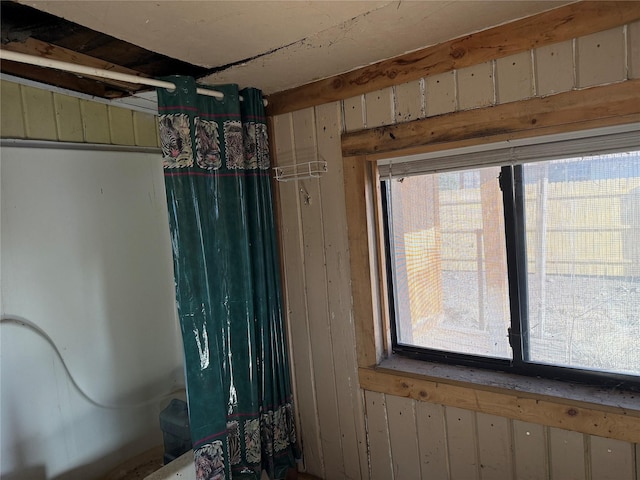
x=276 y=45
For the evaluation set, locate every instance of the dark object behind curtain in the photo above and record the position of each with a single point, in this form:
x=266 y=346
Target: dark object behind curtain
x=216 y=164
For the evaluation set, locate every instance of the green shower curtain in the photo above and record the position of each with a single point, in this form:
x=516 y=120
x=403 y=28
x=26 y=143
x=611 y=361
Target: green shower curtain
x=216 y=165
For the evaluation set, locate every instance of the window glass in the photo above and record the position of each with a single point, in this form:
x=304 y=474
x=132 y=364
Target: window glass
x=449 y=262
x=583 y=248
x=572 y=262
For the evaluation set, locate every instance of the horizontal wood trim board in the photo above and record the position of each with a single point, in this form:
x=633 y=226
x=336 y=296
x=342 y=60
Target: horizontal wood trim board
x=584 y=418
x=563 y=23
x=539 y=132
x=517 y=119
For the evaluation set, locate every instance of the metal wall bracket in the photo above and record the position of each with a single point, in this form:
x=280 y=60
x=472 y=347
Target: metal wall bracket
x=287 y=173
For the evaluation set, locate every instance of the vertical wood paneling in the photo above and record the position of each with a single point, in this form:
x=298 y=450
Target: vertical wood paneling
x=39 y=116
x=95 y=122
x=145 y=129
x=378 y=429
x=444 y=442
x=554 y=68
x=567 y=455
x=379 y=108
x=121 y=126
x=11 y=111
x=440 y=93
x=68 y=118
x=495 y=448
x=409 y=100
x=350 y=405
x=633 y=47
x=611 y=459
x=475 y=86
x=530 y=451
x=462 y=443
x=601 y=58
x=432 y=439
x=297 y=322
x=353 y=113
x=514 y=78
x=403 y=435
x=317 y=302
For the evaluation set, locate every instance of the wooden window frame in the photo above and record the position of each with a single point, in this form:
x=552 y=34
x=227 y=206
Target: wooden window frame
x=595 y=411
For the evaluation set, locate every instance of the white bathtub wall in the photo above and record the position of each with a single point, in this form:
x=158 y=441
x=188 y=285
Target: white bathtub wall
x=181 y=468
x=86 y=257
x=348 y=433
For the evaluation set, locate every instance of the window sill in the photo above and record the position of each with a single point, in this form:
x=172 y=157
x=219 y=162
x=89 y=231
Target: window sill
x=591 y=410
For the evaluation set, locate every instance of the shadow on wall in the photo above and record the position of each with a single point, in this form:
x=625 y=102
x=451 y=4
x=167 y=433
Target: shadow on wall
x=137 y=468
x=32 y=473
x=71 y=436
x=86 y=257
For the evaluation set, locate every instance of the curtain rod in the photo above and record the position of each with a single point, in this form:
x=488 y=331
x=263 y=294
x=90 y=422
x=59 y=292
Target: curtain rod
x=99 y=72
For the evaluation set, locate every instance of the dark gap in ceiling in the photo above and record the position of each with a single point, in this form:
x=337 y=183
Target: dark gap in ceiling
x=28 y=30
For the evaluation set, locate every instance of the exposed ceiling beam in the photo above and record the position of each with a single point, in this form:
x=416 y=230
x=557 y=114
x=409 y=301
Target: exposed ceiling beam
x=557 y=25
x=33 y=46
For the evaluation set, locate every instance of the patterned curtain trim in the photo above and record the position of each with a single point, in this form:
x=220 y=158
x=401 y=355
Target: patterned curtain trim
x=246 y=145
x=265 y=437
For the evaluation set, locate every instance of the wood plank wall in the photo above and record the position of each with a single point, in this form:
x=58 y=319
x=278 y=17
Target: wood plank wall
x=36 y=114
x=348 y=433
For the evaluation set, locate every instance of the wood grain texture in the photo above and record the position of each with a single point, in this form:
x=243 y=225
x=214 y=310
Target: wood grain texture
x=409 y=101
x=601 y=58
x=95 y=122
x=313 y=251
x=379 y=443
x=494 y=446
x=608 y=422
x=567 y=455
x=11 y=113
x=514 y=78
x=611 y=459
x=476 y=86
x=607 y=103
x=554 y=70
x=462 y=438
x=39 y=114
x=295 y=301
x=378 y=108
x=38 y=48
x=336 y=246
x=353 y=113
x=440 y=93
x=121 y=126
x=432 y=439
x=69 y=118
x=560 y=24
x=530 y=451
x=355 y=180
x=403 y=436
x=633 y=49
x=145 y=129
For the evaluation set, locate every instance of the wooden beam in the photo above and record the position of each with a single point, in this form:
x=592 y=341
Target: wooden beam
x=575 y=110
x=584 y=417
x=361 y=256
x=38 y=48
x=563 y=23
x=59 y=79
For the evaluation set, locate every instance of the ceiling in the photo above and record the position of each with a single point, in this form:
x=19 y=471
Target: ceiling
x=271 y=45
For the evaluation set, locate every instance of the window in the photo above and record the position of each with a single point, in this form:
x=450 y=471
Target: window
x=523 y=259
